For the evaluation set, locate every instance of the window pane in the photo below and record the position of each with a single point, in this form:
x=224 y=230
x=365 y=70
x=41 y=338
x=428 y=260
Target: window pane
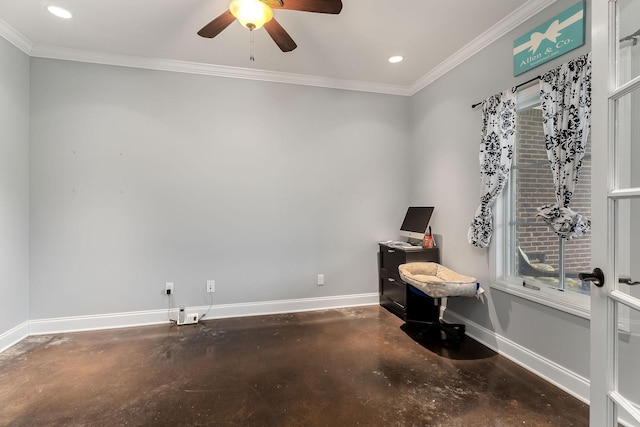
x=578 y=250
x=538 y=253
x=628 y=245
x=628 y=347
x=628 y=46
x=577 y=258
x=628 y=140
x=536 y=246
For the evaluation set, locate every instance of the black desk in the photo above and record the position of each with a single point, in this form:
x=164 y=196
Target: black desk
x=393 y=291
x=420 y=312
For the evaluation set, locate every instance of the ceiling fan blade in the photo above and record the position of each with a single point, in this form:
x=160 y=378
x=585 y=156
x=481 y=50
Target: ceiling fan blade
x=318 y=6
x=216 y=26
x=280 y=36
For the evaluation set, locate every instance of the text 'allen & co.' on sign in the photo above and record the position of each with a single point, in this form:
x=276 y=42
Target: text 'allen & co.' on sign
x=555 y=37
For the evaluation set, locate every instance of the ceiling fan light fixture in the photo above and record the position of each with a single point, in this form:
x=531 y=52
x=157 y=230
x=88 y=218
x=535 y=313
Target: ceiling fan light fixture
x=252 y=14
x=59 y=12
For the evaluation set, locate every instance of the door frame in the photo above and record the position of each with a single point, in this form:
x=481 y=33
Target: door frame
x=604 y=397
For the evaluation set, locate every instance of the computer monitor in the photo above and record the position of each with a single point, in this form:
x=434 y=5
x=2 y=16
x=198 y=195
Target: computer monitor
x=416 y=222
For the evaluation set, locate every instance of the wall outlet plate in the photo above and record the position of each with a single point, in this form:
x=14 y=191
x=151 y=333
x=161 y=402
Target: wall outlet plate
x=211 y=285
x=168 y=288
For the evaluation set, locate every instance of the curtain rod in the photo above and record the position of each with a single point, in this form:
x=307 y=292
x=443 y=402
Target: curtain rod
x=516 y=87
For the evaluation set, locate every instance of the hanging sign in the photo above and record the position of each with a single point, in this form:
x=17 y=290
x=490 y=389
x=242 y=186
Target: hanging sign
x=555 y=37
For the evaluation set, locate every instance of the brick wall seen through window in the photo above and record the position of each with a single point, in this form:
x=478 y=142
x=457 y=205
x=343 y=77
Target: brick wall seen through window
x=534 y=188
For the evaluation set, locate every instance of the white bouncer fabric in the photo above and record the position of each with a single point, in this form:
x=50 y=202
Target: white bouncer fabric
x=437 y=281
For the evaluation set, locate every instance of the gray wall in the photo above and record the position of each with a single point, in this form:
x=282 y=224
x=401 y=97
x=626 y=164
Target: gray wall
x=141 y=177
x=14 y=187
x=445 y=144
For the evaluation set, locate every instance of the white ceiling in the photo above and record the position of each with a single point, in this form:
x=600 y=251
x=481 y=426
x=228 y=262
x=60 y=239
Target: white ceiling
x=346 y=50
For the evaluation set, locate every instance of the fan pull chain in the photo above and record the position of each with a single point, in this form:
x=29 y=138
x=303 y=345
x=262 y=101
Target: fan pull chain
x=252 y=46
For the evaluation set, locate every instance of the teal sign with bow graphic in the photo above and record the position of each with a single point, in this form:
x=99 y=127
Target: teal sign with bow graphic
x=555 y=37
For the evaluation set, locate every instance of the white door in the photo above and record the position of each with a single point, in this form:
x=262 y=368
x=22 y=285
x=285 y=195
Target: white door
x=615 y=239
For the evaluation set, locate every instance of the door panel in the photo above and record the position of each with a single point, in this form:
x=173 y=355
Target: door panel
x=624 y=293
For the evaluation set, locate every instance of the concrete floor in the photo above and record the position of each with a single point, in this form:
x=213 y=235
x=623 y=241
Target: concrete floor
x=342 y=367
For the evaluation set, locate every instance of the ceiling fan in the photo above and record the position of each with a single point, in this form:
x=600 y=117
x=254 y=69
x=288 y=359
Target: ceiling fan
x=254 y=14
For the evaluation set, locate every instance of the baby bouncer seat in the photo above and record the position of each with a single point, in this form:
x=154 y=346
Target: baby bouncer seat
x=429 y=285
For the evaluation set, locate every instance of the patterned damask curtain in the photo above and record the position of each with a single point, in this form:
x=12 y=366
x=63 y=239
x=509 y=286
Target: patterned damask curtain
x=565 y=93
x=496 y=152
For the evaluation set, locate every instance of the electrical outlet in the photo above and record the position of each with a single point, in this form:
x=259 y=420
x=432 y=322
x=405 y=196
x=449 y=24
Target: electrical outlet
x=168 y=288
x=320 y=279
x=211 y=285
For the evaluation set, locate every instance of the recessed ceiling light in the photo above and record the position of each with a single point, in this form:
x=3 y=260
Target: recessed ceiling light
x=59 y=12
x=395 y=59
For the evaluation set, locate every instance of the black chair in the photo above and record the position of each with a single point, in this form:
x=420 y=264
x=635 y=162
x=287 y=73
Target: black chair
x=423 y=316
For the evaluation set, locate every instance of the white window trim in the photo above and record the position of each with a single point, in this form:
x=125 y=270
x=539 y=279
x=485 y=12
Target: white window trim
x=568 y=302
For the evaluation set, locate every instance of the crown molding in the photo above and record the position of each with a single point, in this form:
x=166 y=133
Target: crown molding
x=15 y=38
x=510 y=22
x=517 y=17
x=78 y=55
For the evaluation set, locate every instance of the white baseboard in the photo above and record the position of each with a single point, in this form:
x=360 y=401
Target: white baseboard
x=289 y=306
x=151 y=317
x=561 y=377
x=96 y=322
x=14 y=336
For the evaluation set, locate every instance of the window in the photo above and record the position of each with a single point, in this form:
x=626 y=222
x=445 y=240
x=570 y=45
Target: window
x=532 y=260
